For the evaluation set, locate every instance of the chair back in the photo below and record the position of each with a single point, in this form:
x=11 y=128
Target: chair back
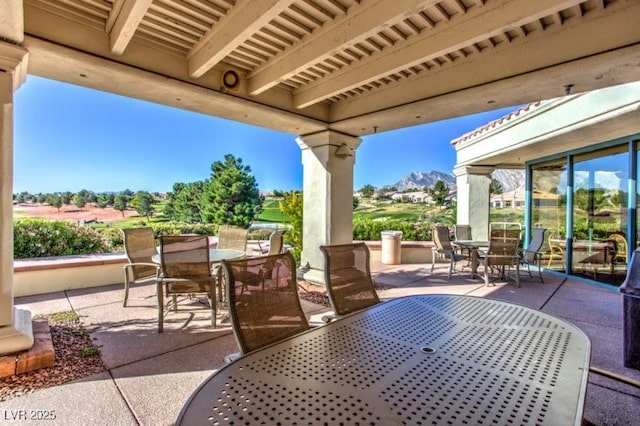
x=184 y=256
x=232 y=237
x=463 y=232
x=139 y=246
x=276 y=242
x=348 y=277
x=535 y=245
x=621 y=246
x=502 y=252
x=441 y=238
x=263 y=300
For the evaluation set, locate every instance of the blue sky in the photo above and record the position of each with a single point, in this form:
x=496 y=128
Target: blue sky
x=69 y=138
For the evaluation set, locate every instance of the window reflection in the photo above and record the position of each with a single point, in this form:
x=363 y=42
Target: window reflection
x=548 y=210
x=598 y=246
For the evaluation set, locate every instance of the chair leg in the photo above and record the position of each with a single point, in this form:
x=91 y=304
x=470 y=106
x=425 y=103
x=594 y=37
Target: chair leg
x=126 y=288
x=160 y=307
x=433 y=260
x=518 y=274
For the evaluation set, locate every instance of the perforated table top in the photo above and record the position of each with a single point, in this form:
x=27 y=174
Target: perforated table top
x=421 y=360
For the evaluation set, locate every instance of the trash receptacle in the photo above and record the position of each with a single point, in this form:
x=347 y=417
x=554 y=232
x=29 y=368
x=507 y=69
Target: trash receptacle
x=391 y=247
x=630 y=290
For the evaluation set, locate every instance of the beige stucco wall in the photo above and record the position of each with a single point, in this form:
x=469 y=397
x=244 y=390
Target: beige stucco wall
x=49 y=275
x=66 y=273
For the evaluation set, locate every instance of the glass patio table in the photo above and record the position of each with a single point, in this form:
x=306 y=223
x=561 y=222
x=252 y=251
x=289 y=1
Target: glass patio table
x=435 y=359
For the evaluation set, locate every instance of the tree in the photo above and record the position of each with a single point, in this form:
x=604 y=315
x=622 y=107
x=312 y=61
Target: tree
x=356 y=202
x=143 y=203
x=66 y=197
x=102 y=201
x=367 y=191
x=120 y=202
x=184 y=204
x=55 y=200
x=231 y=196
x=81 y=199
x=439 y=193
x=292 y=206
x=495 y=187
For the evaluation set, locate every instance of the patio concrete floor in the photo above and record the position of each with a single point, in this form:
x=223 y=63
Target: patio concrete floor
x=149 y=375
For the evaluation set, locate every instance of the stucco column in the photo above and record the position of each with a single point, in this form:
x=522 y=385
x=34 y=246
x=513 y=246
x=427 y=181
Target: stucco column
x=15 y=324
x=473 y=184
x=327 y=160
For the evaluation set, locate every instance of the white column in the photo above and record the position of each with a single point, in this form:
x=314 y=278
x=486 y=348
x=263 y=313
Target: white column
x=473 y=184
x=327 y=159
x=15 y=324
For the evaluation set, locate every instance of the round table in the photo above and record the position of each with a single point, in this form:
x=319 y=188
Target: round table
x=215 y=255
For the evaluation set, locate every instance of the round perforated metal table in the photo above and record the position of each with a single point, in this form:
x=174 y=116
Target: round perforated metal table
x=420 y=360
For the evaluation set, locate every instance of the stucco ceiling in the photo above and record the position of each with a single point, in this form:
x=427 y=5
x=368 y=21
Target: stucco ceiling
x=355 y=66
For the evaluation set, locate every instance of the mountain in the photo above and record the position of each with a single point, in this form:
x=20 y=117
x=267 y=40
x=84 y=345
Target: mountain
x=510 y=180
x=418 y=180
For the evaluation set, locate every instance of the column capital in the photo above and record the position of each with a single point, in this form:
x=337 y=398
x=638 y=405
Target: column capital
x=14 y=60
x=473 y=170
x=329 y=137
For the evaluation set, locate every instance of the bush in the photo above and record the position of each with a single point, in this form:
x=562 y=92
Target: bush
x=370 y=229
x=177 y=228
x=43 y=238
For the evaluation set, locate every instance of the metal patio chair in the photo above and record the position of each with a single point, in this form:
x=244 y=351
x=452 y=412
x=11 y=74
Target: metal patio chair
x=532 y=255
x=184 y=270
x=443 y=248
x=263 y=300
x=139 y=246
x=348 y=278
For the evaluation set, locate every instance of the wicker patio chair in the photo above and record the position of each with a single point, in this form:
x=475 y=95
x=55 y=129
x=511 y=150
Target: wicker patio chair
x=443 y=248
x=621 y=247
x=232 y=237
x=263 y=300
x=532 y=254
x=184 y=270
x=139 y=246
x=348 y=278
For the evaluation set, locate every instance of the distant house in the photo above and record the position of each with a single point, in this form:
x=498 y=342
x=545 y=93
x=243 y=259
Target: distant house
x=413 y=197
x=508 y=200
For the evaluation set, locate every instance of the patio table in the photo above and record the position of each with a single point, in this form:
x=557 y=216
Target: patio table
x=215 y=256
x=435 y=359
x=472 y=246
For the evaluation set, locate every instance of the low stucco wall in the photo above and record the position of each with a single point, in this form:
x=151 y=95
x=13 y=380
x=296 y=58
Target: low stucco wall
x=52 y=274
x=411 y=251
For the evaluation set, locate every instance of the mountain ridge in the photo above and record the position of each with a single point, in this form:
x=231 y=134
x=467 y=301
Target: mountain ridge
x=509 y=179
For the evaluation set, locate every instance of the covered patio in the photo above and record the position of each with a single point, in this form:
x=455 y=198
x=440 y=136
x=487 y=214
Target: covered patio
x=328 y=72
x=149 y=376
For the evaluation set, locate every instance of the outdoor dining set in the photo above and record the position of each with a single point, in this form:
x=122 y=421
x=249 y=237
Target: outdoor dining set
x=436 y=359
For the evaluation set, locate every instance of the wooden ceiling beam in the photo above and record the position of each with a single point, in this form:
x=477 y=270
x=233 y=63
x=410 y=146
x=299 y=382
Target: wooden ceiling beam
x=243 y=20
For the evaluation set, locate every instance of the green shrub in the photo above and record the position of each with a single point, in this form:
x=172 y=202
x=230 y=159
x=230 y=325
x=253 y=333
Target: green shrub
x=43 y=238
x=177 y=228
x=113 y=237
x=370 y=229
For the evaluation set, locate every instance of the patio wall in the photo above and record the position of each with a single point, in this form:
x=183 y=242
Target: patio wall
x=52 y=274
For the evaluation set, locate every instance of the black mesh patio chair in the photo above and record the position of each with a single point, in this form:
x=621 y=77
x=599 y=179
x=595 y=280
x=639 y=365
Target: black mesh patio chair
x=184 y=271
